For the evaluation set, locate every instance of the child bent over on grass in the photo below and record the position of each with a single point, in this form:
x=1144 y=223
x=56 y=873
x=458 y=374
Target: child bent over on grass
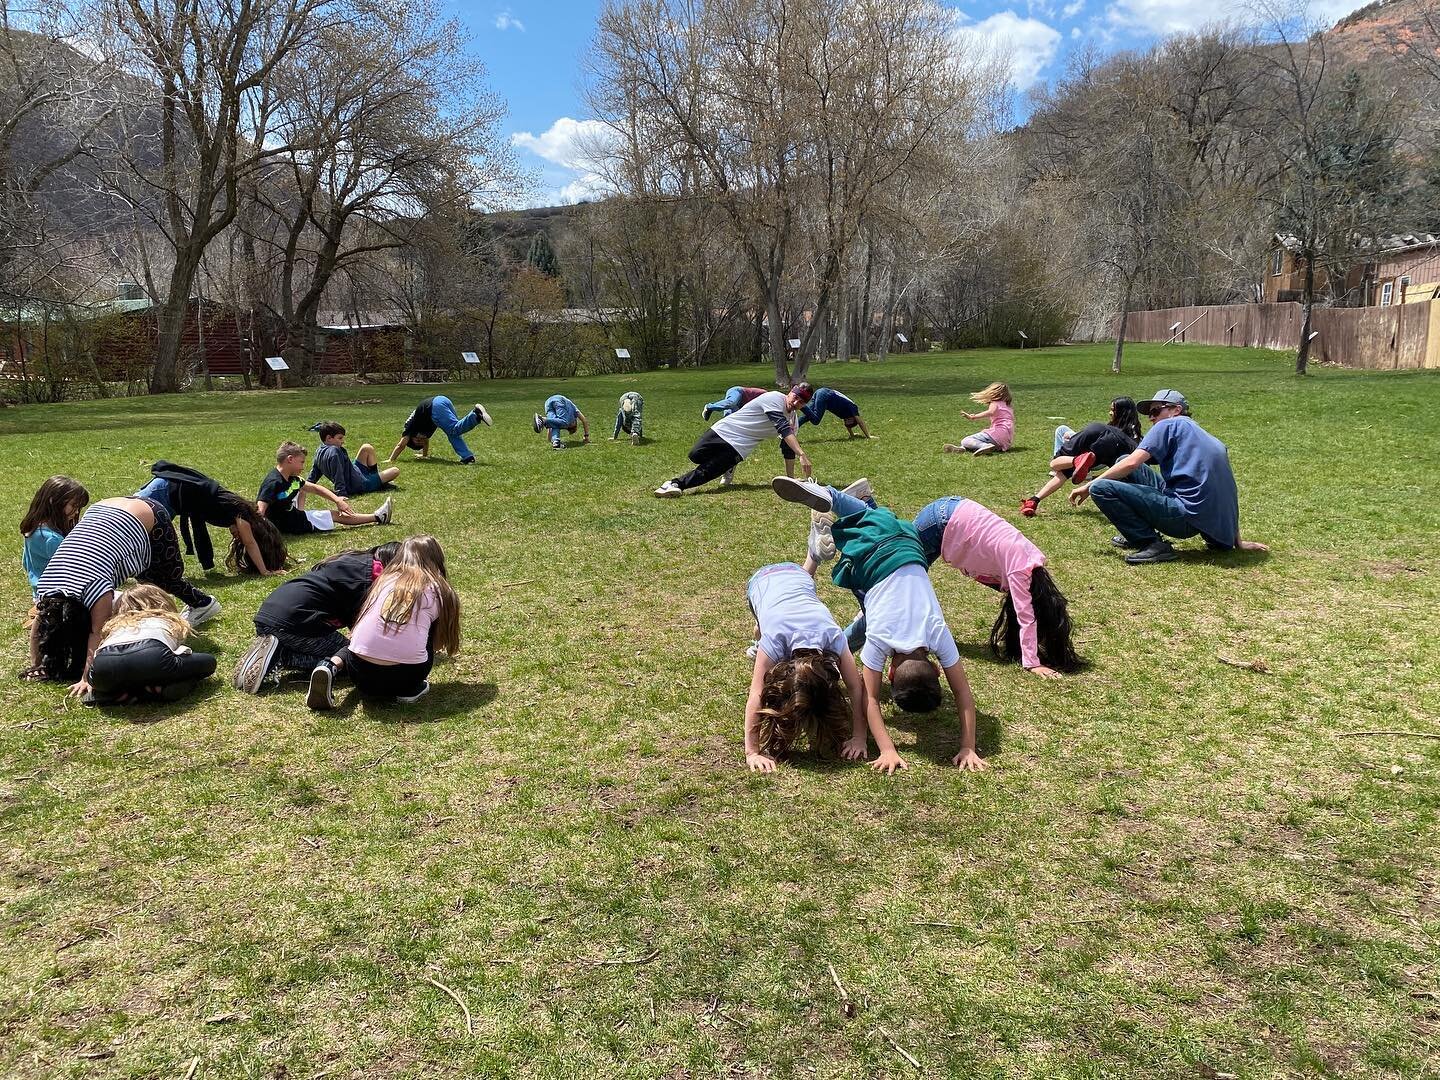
x=54 y=510
x=561 y=414
x=282 y=498
x=299 y=623
x=196 y=501
x=142 y=655
x=1000 y=433
x=1077 y=452
x=363 y=476
x=803 y=674
x=837 y=404
x=439 y=412
x=411 y=611
x=630 y=418
x=882 y=558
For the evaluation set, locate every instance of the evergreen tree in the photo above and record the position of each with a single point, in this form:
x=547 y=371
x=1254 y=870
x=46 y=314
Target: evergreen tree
x=542 y=256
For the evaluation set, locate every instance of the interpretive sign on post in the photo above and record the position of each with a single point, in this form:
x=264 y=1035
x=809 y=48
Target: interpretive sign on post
x=622 y=354
x=276 y=363
x=470 y=357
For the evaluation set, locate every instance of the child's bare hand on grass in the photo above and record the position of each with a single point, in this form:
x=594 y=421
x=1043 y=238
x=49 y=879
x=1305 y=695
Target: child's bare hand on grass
x=855 y=749
x=969 y=761
x=760 y=763
x=1044 y=672
x=888 y=762
x=79 y=689
x=1079 y=495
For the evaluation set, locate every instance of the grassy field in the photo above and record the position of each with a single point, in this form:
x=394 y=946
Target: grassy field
x=1174 y=867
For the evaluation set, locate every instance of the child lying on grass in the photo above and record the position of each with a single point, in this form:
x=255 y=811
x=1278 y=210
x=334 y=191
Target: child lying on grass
x=142 y=655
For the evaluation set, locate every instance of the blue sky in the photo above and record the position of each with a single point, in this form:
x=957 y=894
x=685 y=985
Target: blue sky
x=533 y=49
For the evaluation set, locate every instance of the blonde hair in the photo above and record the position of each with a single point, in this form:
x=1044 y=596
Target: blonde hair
x=996 y=391
x=288 y=449
x=140 y=602
x=418 y=567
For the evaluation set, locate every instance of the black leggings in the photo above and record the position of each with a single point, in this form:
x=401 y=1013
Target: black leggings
x=712 y=456
x=167 y=565
x=133 y=668
x=385 y=680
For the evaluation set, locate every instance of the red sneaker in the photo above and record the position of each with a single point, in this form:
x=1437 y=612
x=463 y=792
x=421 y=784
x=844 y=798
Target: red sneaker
x=1081 y=469
x=1030 y=507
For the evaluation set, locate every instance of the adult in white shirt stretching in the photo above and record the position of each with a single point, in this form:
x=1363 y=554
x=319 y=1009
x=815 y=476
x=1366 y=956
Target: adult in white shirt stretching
x=735 y=438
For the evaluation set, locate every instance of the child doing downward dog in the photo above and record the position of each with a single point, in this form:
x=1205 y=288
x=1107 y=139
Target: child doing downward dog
x=882 y=559
x=998 y=410
x=412 y=612
x=54 y=511
x=141 y=655
x=804 y=673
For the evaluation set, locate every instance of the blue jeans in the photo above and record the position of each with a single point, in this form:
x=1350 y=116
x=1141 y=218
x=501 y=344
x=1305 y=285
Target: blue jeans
x=1062 y=433
x=442 y=411
x=558 y=416
x=930 y=522
x=157 y=490
x=726 y=405
x=1140 y=508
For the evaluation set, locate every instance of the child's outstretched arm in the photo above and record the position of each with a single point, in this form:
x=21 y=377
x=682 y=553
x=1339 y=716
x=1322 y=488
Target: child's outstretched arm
x=858 y=745
x=889 y=759
x=967 y=758
x=619 y=423
x=757 y=761
x=341 y=503
x=99 y=615
x=399 y=449
x=584 y=424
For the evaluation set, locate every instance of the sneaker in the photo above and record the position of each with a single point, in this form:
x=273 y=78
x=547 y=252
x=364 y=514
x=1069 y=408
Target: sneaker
x=1030 y=507
x=538 y=424
x=728 y=478
x=400 y=699
x=806 y=492
x=483 y=415
x=1121 y=542
x=1159 y=551
x=954 y=448
x=860 y=489
x=669 y=490
x=752 y=649
x=635 y=439
x=322 y=687
x=250 y=672
x=201 y=615
x=704 y=416
x=1081 y=467
x=468 y=460
x=384 y=512
x=821 y=544
x=557 y=446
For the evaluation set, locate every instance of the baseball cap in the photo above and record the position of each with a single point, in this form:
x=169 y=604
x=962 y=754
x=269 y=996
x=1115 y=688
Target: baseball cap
x=1162 y=397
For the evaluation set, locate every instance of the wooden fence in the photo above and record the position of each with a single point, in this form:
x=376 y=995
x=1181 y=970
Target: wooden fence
x=1383 y=338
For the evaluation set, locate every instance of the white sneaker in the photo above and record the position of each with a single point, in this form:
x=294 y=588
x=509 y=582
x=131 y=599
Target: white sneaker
x=860 y=489
x=806 y=492
x=201 y=615
x=255 y=664
x=384 y=512
x=424 y=689
x=669 y=490
x=821 y=545
x=728 y=478
x=484 y=416
x=635 y=439
x=752 y=649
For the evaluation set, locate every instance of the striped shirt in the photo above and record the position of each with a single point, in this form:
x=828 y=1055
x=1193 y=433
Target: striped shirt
x=107 y=546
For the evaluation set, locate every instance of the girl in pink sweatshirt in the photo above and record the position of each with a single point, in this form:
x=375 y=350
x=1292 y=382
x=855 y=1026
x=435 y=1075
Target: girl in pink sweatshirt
x=1000 y=412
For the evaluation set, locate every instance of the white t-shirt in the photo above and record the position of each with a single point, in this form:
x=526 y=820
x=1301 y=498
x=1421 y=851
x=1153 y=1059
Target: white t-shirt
x=902 y=614
x=146 y=630
x=790 y=613
x=749 y=426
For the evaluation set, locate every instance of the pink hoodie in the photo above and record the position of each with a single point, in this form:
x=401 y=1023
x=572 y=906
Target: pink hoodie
x=986 y=548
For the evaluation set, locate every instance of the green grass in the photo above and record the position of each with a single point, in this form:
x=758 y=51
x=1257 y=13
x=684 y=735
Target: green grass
x=1174 y=867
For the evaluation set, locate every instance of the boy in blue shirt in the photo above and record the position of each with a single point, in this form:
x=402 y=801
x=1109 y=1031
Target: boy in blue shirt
x=359 y=477
x=561 y=414
x=1193 y=494
x=837 y=404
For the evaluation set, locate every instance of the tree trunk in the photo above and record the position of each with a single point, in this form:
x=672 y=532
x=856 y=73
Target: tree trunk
x=170 y=324
x=1302 y=354
x=865 y=297
x=1120 y=332
x=842 y=319
x=777 y=337
x=887 y=318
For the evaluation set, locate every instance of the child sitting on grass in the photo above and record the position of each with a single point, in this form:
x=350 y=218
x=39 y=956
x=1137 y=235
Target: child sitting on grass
x=299 y=623
x=54 y=511
x=803 y=674
x=363 y=476
x=883 y=559
x=630 y=418
x=561 y=414
x=142 y=655
x=1077 y=452
x=999 y=411
x=282 y=498
x=412 y=611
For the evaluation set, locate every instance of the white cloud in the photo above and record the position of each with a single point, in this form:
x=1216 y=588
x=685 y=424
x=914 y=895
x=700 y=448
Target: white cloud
x=1073 y=9
x=1172 y=16
x=507 y=21
x=564 y=143
x=1029 y=43
x=1075 y=33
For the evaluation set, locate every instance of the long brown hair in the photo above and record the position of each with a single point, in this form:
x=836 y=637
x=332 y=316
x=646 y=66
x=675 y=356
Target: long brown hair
x=803 y=696
x=270 y=542
x=1052 y=625
x=58 y=503
x=140 y=602
x=418 y=566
